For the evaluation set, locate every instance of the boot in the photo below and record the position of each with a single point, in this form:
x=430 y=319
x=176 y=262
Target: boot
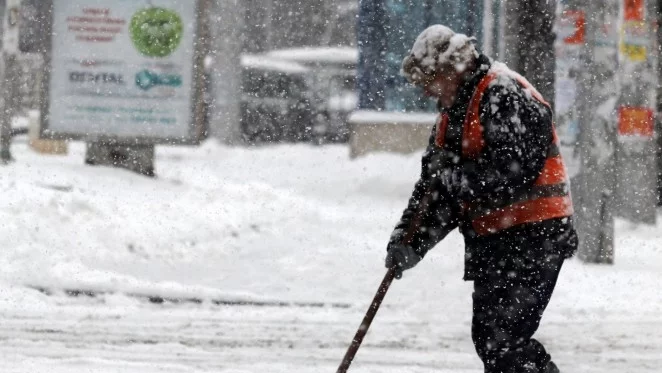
x=552 y=368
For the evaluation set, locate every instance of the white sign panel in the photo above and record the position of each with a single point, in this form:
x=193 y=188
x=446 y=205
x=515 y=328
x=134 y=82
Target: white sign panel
x=122 y=69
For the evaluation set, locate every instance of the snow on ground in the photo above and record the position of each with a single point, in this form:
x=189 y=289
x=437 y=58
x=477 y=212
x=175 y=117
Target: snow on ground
x=298 y=224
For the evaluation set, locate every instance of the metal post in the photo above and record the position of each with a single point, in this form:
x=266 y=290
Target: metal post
x=225 y=72
x=268 y=21
x=5 y=121
x=529 y=40
x=472 y=10
x=659 y=106
x=10 y=12
x=511 y=33
x=372 y=36
x=636 y=111
x=598 y=90
x=488 y=28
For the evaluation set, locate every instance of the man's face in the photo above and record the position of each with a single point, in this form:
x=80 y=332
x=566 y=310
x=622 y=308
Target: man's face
x=443 y=85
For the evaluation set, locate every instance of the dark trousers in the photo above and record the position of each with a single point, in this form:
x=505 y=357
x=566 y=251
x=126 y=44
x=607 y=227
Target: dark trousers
x=508 y=302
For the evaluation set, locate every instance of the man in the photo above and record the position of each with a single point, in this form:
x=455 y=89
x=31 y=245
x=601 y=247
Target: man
x=493 y=169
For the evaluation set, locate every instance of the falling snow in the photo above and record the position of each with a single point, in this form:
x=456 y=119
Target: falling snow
x=217 y=186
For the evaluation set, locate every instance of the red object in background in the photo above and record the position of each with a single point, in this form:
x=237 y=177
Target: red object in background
x=636 y=121
x=634 y=10
x=579 y=19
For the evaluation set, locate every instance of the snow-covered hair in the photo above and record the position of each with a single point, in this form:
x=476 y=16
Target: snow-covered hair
x=436 y=48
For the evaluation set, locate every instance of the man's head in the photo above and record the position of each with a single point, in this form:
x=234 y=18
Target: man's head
x=438 y=62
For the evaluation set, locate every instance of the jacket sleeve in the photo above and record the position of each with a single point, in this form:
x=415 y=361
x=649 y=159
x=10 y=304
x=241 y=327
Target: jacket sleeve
x=518 y=132
x=429 y=207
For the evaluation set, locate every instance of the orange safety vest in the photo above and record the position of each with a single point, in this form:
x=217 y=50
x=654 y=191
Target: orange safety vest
x=548 y=198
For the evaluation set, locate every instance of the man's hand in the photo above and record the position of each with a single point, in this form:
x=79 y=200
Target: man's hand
x=401 y=257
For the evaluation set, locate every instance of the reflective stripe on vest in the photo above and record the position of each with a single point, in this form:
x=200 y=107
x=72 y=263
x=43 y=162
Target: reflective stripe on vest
x=548 y=198
x=442 y=126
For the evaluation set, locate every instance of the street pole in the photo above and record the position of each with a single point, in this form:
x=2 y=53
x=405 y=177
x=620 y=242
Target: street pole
x=10 y=15
x=5 y=122
x=488 y=28
x=616 y=109
x=529 y=49
x=268 y=21
x=636 y=153
x=529 y=42
x=598 y=93
x=659 y=106
x=226 y=23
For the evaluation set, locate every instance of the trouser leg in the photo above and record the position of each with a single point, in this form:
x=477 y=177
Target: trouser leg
x=509 y=301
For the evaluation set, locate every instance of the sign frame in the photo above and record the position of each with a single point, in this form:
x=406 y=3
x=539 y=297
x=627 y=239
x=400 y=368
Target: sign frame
x=196 y=128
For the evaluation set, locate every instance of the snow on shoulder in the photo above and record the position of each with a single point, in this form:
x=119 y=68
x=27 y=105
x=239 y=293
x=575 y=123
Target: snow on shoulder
x=507 y=78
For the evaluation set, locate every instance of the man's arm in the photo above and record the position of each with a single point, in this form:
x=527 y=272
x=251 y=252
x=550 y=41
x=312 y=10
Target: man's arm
x=518 y=132
x=434 y=215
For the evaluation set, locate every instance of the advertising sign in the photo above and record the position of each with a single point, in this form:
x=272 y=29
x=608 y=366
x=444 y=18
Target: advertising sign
x=634 y=10
x=636 y=39
x=636 y=121
x=125 y=70
x=570 y=38
x=571 y=27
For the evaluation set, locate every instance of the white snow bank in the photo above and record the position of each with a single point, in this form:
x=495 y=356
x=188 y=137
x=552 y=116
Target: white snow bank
x=342 y=55
x=271 y=64
x=218 y=222
x=290 y=223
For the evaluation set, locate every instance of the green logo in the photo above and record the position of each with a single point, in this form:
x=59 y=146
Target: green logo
x=156 y=32
x=147 y=80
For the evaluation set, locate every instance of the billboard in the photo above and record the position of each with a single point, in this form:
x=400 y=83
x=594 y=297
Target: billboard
x=125 y=70
x=570 y=38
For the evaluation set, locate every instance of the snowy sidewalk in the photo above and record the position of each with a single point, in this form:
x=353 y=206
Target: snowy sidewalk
x=122 y=335
x=292 y=224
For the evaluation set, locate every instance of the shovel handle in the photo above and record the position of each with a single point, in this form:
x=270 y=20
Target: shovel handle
x=367 y=320
x=383 y=288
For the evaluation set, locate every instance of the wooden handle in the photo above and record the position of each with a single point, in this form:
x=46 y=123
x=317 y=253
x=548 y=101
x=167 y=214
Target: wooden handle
x=383 y=288
x=367 y=320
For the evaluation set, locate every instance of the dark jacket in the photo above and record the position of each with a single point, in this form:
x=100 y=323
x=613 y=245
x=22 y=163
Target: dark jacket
x=518 y=133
